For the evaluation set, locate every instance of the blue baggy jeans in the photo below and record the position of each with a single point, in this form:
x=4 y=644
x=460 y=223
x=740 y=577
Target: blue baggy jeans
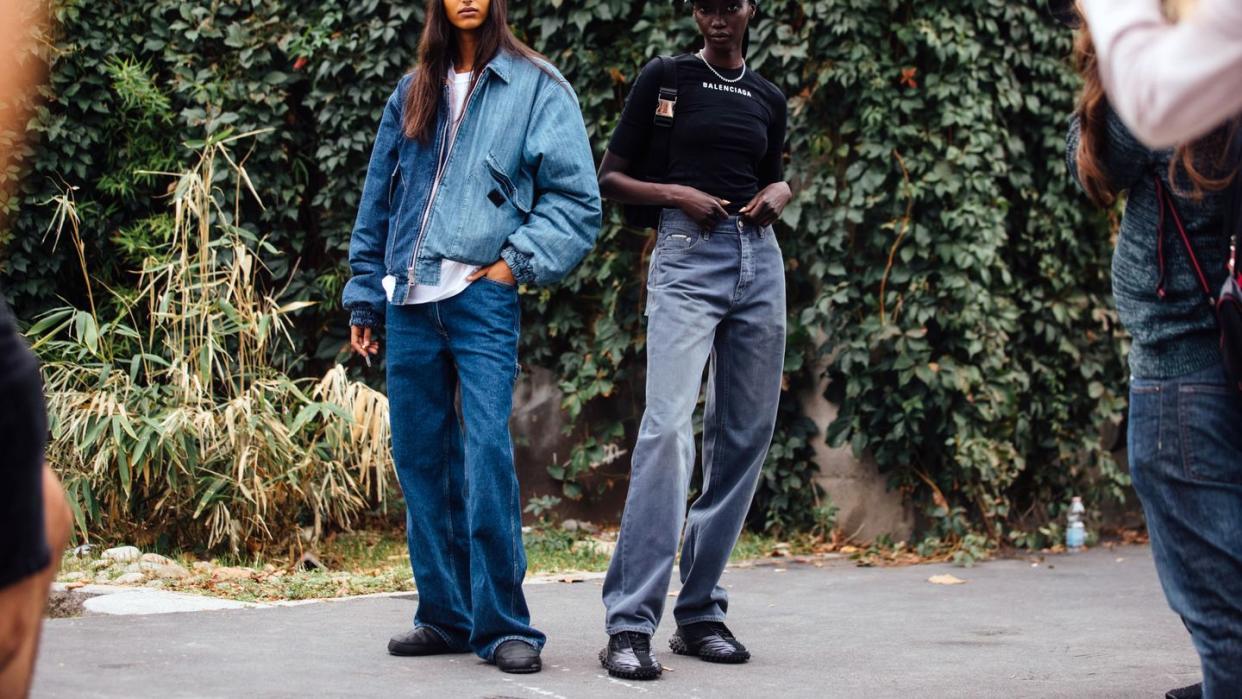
x=717 y=296
x=1185 y=446
x=463 y=511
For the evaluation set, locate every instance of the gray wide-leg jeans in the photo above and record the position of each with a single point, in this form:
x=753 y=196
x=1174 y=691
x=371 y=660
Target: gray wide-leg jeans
x=717 y=296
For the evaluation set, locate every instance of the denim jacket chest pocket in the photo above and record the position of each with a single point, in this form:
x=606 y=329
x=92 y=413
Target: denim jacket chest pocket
x=500 y=200
x=517 y=189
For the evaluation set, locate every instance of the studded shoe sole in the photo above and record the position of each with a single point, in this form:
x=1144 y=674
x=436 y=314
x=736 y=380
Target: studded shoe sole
x=679 y=646
x=525 y=670
x=639 y=674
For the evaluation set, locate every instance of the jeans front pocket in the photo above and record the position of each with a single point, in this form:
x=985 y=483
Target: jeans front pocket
x=677 y=241
x=1210 y=420
x=494 y=282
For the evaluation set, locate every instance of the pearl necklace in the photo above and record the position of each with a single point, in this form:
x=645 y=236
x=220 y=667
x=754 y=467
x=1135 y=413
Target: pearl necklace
x=716 y=73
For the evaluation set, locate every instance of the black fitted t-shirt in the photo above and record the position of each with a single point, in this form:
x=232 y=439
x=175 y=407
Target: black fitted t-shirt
x=15 y=358
x=728 y=138
x=23 y=431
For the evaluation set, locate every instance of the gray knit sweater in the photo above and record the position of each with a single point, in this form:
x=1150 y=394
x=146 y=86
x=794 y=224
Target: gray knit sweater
x=1175 y=335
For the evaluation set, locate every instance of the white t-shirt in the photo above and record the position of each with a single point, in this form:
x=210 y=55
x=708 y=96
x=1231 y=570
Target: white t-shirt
x=453 y=274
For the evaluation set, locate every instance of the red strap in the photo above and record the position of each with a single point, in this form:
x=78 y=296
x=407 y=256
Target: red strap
x=1181 y=230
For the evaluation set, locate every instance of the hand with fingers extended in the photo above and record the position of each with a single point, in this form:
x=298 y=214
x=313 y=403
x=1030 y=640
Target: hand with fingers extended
x=768 y=204
x=705 y=209
x=362 y=341
x=497 y=271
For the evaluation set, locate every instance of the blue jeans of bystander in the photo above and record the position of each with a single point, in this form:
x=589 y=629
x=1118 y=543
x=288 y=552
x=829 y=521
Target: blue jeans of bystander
x=1185 y=446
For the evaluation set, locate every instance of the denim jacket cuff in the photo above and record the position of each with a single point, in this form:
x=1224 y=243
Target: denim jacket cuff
x=519 y=264
x=364 y=317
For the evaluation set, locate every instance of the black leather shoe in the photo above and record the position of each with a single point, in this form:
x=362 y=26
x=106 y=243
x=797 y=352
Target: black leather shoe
x=629 y=657
x=518 y=657
x=710 y=640
x=1194 y=691
x=420 y=641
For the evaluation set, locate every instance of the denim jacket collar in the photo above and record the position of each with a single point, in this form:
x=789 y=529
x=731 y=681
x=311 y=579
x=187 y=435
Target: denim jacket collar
x=501 y=64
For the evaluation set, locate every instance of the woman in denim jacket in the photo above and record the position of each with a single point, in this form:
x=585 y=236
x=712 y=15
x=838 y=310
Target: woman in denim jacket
x=482 y=178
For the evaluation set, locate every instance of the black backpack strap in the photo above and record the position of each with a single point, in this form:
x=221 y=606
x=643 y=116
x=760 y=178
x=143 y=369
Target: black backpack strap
x=651 y=164
x=665 y=114
x=667 y=103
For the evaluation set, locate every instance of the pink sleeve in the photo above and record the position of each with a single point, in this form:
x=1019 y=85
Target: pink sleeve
x=1169 y=83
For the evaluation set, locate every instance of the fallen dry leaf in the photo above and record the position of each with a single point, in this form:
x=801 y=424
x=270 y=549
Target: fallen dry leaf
x=946 y=580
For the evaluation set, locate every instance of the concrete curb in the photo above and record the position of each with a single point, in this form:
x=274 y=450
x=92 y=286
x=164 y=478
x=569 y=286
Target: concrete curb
x=121 y=600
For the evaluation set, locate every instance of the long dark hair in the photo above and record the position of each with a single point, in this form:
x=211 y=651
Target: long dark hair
x=1092 y=110
x=1204 y=162
x=436 y=52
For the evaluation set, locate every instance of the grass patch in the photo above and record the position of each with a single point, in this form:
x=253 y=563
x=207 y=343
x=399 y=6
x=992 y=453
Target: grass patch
x=558 y=551
x=368 y=562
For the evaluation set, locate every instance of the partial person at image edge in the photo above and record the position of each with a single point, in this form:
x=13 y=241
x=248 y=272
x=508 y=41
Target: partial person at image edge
x=34 y=516
x=1185 y=420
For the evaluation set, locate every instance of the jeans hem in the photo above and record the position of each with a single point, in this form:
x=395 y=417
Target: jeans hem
x=614 y=630
x=700 y=619
x=489 y=651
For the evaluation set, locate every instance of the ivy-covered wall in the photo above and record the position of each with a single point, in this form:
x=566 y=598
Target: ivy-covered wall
x=937 y=253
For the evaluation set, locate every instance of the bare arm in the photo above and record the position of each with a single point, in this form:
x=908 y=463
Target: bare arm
x=22 y=604
x=616 y=185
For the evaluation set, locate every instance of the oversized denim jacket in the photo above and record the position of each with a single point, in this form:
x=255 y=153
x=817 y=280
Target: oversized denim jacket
x=518 y=183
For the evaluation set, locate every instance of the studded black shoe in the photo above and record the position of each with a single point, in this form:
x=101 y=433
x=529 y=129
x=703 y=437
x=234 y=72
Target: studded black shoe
x=1194 y=691
x=629 y=657
x=709 y=640
x=518 y=657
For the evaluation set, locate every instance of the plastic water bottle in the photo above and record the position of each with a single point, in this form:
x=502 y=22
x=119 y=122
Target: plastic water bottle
x=1076 y=532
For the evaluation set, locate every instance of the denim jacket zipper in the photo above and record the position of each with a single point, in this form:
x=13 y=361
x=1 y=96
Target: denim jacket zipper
x=441 y=166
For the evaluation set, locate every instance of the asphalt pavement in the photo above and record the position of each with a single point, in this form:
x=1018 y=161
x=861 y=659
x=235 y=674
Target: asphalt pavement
x=1087 y=625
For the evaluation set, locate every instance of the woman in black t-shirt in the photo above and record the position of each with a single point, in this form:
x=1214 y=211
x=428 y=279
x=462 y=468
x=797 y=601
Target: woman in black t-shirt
x=716 y=292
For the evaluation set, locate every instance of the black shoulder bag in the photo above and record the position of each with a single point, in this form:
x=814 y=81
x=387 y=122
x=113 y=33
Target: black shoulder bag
x=1228 y=303
x=652 y=166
